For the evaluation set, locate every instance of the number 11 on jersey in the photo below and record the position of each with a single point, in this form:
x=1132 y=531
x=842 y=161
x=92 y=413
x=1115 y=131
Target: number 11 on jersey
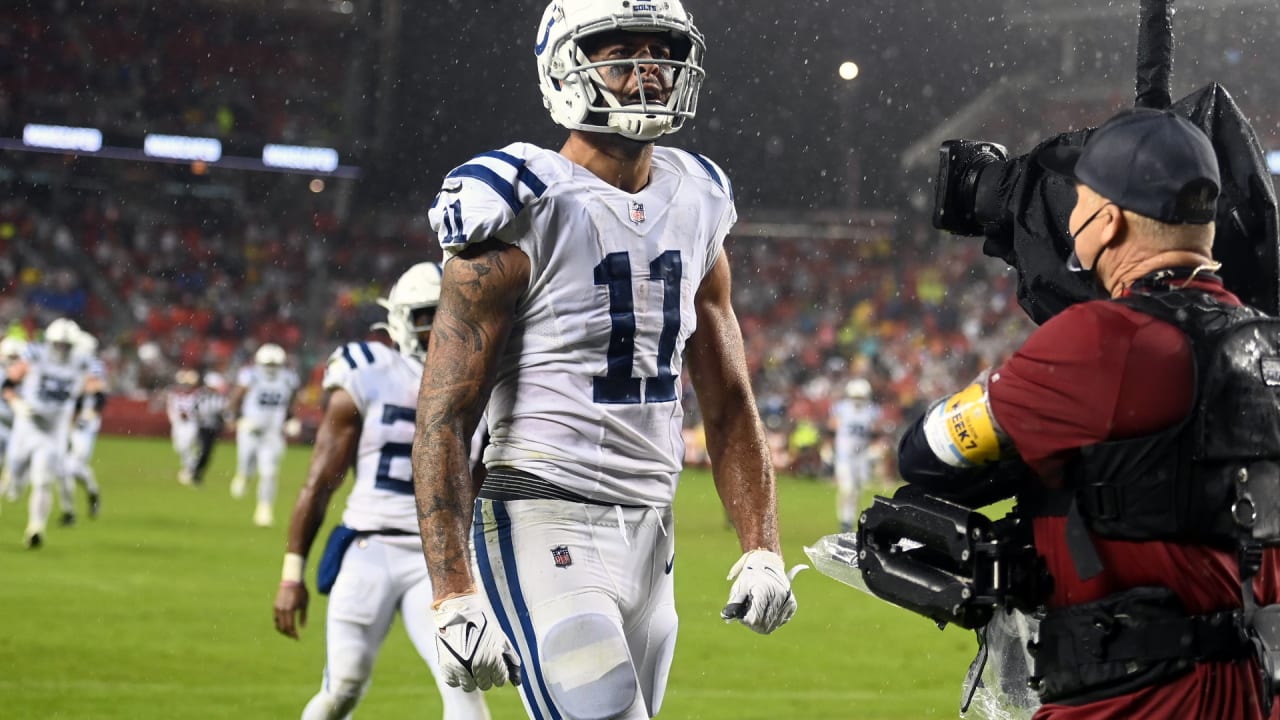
x=617 y=385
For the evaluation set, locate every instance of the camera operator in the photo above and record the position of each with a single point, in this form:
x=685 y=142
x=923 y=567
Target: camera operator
x=1110 y=404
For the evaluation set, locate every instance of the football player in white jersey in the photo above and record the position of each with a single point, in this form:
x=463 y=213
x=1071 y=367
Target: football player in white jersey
x=579 y=286
x=853 y=418
x=180 y=407
x=373 y=560
x=85 y=426
x=12 y=349
x=261 y=403
x=42 y=391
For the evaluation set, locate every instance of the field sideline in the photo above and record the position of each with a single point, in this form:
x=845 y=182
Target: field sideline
x=161 y=608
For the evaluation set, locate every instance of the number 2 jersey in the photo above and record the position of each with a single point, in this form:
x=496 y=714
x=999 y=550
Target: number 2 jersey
x=588 y=389
x=384 y=385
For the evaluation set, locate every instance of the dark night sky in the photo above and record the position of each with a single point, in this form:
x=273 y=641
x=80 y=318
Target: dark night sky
x=774 y=112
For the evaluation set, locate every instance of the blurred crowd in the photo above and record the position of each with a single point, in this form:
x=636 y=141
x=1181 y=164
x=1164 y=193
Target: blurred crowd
x=179 y=68
x=177 y=266
x=186 y=282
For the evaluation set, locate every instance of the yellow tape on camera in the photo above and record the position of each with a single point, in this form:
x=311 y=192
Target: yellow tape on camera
x=966 y=417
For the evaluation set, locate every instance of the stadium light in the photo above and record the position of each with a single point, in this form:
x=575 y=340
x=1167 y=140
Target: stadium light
x=300 y=157
x=849 y=70
x=62 y=137
x=1273 y=162
x=181 y=147
x=203 y=153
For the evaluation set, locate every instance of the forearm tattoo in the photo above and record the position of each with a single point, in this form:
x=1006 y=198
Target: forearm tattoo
x=470 y=329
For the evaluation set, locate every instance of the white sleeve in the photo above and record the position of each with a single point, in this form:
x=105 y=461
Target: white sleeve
x=481 y=197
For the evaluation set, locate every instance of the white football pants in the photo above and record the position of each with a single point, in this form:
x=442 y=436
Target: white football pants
x=35 y=455
x=261 y=450
x=183 y=433
x=379 y=576
x=585 y=594
x=84 y=436
x=852 y=475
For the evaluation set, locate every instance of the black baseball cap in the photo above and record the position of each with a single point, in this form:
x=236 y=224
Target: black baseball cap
x=1152 y=162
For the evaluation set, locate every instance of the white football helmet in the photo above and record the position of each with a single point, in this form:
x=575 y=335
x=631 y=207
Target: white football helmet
x=858 y=389
x=60 y=336
x=572 y=87
x=270 y=355
x=417 y=288
x=86 y=344
x=12 y=348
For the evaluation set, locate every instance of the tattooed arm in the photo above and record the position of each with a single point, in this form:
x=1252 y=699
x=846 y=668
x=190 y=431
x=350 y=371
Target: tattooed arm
x=477 y=305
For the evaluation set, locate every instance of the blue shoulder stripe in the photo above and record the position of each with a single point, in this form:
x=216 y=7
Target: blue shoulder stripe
x=525 y=175
x=715 y=175
x=504 y=189
x=368 y=354
x=346 y=355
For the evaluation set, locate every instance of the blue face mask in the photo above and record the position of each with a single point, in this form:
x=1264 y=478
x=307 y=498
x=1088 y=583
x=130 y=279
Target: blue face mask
x=1073 y=261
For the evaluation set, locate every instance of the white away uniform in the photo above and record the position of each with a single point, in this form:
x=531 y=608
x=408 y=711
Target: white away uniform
x=180 y=406
x=6 y=428
x=573 y=535
x=260 y=442
x=854 y=420
x=38 y=445
x=84 y=436
x=382 y=567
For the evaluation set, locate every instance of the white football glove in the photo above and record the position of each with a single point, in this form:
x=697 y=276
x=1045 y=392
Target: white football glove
x=761 y=596
x=21 y=408
x=474 y=654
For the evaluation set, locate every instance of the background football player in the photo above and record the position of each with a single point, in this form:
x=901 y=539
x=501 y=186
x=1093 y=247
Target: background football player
x=86 y=424
x=853 y=418
x=12 y=349
x=180 y=407
x=373 y=561
x=42 y=391
x=261 y=403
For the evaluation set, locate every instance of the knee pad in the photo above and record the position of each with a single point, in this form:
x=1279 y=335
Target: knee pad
x=334 y=703
x=588 y=667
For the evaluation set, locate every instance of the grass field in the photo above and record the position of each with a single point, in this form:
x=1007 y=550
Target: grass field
x=161 y=608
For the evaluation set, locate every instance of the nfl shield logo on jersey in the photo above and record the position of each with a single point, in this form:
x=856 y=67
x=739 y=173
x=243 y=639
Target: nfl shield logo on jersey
x=560 y=554
x=637 y=212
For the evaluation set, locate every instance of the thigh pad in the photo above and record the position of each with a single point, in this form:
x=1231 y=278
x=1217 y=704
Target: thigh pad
x=588 y=667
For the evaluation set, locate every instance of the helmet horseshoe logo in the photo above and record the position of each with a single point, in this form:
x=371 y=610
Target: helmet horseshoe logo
x=546 y=34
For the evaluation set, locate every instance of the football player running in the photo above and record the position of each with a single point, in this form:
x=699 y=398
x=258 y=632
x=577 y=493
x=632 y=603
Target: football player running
x=42 y=390
x=12 y=349
x=180 y=407
x=260 y=403
x=373 y=561
x=578 y=287
x=85 y=428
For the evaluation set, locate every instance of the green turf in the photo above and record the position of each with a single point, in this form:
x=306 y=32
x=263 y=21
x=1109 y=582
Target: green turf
x=161 y=608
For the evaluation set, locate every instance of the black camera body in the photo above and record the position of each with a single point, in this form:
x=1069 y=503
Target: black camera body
x=949 y=562
x=1021 y=210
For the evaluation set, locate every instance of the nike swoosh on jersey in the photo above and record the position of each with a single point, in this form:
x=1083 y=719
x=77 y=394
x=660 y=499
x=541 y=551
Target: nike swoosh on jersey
x=671 y=564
